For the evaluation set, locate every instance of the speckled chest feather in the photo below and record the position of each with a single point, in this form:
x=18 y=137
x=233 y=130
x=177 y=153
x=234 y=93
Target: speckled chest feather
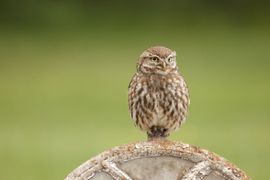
x=158 y=100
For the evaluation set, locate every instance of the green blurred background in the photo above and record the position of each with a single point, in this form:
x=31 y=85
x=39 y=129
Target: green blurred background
x=65 y=67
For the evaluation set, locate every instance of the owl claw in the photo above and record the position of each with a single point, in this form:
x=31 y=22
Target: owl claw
x=157 y=132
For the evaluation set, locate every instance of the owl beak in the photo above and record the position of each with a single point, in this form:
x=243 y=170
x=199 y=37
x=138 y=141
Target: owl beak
x=164 y=66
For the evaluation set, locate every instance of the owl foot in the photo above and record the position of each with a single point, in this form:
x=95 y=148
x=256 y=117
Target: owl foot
x=157 y=132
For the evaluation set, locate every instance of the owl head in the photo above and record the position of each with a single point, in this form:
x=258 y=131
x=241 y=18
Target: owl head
x=157 y=60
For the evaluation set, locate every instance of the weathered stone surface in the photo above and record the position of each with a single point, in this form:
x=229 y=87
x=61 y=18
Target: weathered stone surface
x=102 y=176
x=214 y=176
x=152 y=168
x=157 y=160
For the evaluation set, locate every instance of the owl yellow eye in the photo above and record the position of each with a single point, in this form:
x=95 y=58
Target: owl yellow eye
x=169 y=60
x=155 y=59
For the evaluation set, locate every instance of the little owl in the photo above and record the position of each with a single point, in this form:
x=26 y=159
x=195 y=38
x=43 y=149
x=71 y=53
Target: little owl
x=158 y=96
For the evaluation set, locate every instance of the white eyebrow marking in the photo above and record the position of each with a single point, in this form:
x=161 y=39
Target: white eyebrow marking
x=173 y=54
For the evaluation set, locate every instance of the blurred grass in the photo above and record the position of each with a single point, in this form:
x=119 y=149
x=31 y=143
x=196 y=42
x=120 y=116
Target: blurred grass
x=63 y=90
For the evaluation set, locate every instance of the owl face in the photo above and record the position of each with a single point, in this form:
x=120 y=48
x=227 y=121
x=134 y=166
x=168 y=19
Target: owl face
x=157 y=60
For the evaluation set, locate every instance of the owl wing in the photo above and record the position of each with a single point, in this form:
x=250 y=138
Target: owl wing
x=131 y=93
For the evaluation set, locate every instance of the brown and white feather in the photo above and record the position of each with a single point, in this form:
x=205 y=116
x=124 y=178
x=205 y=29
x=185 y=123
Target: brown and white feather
x=158 y=98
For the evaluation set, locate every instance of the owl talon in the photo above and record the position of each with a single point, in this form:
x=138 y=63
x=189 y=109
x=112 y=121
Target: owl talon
x=157 y=132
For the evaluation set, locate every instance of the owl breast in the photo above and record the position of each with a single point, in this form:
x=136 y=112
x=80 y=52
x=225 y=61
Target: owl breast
x=158 y=100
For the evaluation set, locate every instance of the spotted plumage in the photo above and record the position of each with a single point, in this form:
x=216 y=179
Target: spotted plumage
x=158 y=96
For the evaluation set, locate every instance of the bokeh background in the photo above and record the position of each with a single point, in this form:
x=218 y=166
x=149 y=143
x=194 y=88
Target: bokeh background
x=65 y=67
